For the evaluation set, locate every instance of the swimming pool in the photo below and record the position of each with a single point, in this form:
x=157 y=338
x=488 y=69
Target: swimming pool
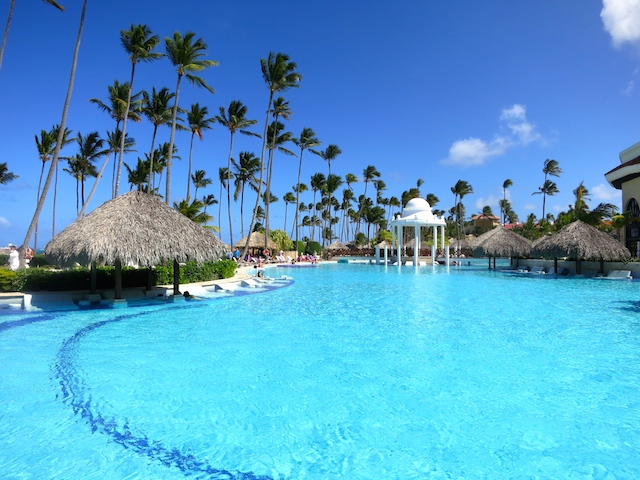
x=354 y=371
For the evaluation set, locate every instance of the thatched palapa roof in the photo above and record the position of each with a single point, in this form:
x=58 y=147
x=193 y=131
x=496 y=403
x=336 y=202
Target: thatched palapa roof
x=256 y=240
x=134 y=228
x=337 y=245
x=583 y=242
x=502 y=243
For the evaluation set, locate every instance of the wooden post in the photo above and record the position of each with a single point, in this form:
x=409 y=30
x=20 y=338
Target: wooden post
x=118 y=280
x=176 y=278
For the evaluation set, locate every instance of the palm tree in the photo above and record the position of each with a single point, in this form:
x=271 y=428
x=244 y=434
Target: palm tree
x=139 y=43
x=114 y=140
x=549 y=188
x=331 y=185
x=306 y=141
x=200 y=180
x=208 y=201
x=350 y=178
x=279 y=73
x=185 y=55
x=157 y=110
x=59 y=142
x=138 y=176
x=198 y=122
x=223 y=176
x=234 y=119
x=65 y=141
x=245 y=174
x=317 y=183
x=507 y=183
x=330 y=154
x=46 y=146
x=118 y=93
x=460 y=190
x=551 y=167
x=5 y=175
x=89 y=150
x=419 y=183
x=288 y=198
x=193 y=211
x=6 y=29
x=276 y=139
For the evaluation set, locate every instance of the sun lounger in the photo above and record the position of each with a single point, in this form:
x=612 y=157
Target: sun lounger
x=618 y=275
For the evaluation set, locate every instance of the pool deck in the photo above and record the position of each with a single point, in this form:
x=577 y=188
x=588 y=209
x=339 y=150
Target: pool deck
x=22 y=300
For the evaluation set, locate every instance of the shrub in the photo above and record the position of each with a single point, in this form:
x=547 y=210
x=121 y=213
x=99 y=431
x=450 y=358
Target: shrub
x=4 y=259
x=7 y=280
x=313 y=247
x=38 y=261
x=301 y=247
x=282 y=239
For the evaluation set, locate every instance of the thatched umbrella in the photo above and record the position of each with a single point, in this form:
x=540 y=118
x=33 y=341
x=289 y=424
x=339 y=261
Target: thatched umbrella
x=256 y=241
x=501 y=243
x=135 y=228
x=580 y=241
x=337 y=245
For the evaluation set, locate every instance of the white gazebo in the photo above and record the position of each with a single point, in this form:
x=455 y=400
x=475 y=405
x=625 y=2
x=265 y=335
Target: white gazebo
x=417 y=214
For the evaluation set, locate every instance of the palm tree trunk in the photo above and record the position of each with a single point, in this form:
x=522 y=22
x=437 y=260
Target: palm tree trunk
x=55 y=198
x=190 y=166
x=151 y=155
x=297 y=219
x=242 y=212
x=171 y=139
x=93 y=188
x=229 y=194
x=220 y=214
x=124 y=131
x=56 y=154
x=35 y=241
x=6 y=30
x=264 y=145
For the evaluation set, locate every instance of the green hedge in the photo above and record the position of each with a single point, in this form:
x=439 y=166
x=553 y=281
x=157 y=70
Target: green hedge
x=313 y=248
x=37 y=279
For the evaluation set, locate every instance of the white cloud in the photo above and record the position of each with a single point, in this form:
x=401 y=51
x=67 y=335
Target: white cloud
x=491 y=200
x=474 y=151
x=4 y=222
x=621 y=20
x=629 y=88
x=606 y=193
x=531 y=207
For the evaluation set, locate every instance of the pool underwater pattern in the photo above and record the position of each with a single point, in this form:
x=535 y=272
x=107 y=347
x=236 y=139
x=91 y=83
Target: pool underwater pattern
x=75 y=395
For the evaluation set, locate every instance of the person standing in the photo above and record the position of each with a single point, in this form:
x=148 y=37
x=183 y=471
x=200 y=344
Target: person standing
x=14 y=257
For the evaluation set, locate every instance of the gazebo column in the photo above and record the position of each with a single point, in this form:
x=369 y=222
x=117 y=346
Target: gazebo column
x=446 y=249
x=400 y=245
x=434 y=246
x=416 y=244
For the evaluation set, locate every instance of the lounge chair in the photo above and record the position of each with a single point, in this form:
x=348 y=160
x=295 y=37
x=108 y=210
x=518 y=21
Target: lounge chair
x=618 y=275
x=537 y=270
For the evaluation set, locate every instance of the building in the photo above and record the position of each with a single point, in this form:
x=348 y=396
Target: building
x=626 y=177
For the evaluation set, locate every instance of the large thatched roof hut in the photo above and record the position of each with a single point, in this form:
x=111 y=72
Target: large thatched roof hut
x=337 y=245
x=501 y=242
x=134 y=228
x=256 y=242
x=580 y=241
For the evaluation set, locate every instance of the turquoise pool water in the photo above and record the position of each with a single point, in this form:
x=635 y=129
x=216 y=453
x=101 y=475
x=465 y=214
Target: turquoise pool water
x=352 y=372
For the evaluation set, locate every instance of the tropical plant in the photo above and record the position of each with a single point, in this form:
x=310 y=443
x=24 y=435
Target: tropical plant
x=6 y=28
x=551 y=167
x=506 y=184
x=198 y=122
x=245 y=173
x=223 y=177
x=287 y=198
x=116 y=107
x=59 y=141
x=277 y=138
x=185 y=55
x=234 y=119
x=82 y=166
x=157 y=110
x=200 y=180
x=460 y=190
x=114 y=141
x=279 y=74
x=194 y=211
x=5 y=175
x=139 y=43
x=306 y=141
x=137 y=177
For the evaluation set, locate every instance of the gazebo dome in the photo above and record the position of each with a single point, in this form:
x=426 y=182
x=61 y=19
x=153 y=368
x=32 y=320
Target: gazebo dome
x=419 y=211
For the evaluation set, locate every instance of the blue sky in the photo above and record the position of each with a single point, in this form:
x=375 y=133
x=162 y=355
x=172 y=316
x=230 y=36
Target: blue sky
x=442 y=91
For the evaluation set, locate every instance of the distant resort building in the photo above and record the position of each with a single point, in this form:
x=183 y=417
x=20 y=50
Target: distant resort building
x=626 y=177
x=483 y=223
